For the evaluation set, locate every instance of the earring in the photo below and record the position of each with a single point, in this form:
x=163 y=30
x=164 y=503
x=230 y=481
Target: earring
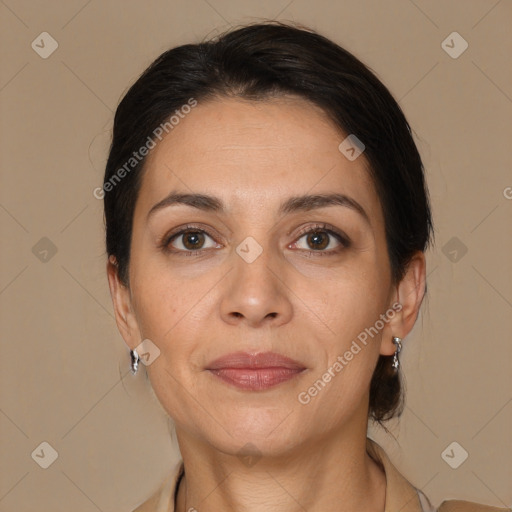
x=135 y=361
x=398 y=342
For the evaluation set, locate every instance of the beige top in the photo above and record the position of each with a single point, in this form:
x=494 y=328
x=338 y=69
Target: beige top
x=401 y=495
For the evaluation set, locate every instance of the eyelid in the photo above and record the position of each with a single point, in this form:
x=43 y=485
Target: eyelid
x=328 y=228
x=343 y=240
x=168 y=236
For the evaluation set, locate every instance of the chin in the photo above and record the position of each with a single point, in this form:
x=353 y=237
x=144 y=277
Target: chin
x=267 y=432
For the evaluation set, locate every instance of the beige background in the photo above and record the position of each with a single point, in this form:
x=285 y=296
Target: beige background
x=61 y=353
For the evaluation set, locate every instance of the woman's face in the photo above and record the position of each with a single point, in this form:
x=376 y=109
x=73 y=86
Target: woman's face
x=257 y=282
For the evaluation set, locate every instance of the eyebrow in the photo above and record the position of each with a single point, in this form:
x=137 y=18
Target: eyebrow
x=292 y=204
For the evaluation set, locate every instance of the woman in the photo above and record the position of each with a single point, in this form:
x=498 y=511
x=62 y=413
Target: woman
x=266 y=223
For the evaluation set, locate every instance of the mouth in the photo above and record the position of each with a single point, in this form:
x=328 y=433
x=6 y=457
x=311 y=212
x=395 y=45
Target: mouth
x=255 y=372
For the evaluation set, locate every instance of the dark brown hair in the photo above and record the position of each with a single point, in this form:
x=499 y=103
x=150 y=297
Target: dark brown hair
x=256 y=62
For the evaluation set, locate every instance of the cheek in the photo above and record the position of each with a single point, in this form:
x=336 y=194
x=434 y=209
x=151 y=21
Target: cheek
x=164 y=298
x=169 y=314
x=348 y=299
x=175 y=313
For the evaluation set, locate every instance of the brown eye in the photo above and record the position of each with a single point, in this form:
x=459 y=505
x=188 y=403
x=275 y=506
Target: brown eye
x=318 y=240
x=189 y=240
x=322 y=240
x=193 y=240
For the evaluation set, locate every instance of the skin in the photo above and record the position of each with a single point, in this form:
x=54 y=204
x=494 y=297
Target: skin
x=253 y=156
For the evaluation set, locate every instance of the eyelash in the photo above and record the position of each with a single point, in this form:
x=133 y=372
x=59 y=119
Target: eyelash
x=163 y=244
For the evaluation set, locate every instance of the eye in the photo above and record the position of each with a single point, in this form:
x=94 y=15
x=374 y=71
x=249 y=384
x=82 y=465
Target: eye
x=190 y=240
x=322 y=239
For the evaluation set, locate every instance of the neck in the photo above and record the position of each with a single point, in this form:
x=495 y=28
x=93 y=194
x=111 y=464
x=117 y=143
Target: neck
x=336 y=474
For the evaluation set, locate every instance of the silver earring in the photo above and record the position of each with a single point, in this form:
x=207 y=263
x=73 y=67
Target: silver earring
x=135 y=361
x=398 y=342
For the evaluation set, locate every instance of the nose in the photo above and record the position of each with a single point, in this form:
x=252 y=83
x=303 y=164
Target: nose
x=256 y=294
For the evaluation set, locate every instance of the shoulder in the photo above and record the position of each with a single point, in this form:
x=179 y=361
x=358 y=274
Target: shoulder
x=468 y=506
x=400 y=493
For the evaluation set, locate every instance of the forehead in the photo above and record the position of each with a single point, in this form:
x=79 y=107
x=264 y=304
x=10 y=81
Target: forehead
x=251 y=153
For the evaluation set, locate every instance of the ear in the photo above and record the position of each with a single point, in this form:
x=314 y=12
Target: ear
x=122 y=301
x=407 y=298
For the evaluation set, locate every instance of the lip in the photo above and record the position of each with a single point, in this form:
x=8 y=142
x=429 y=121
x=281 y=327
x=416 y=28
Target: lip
x=255 y=372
